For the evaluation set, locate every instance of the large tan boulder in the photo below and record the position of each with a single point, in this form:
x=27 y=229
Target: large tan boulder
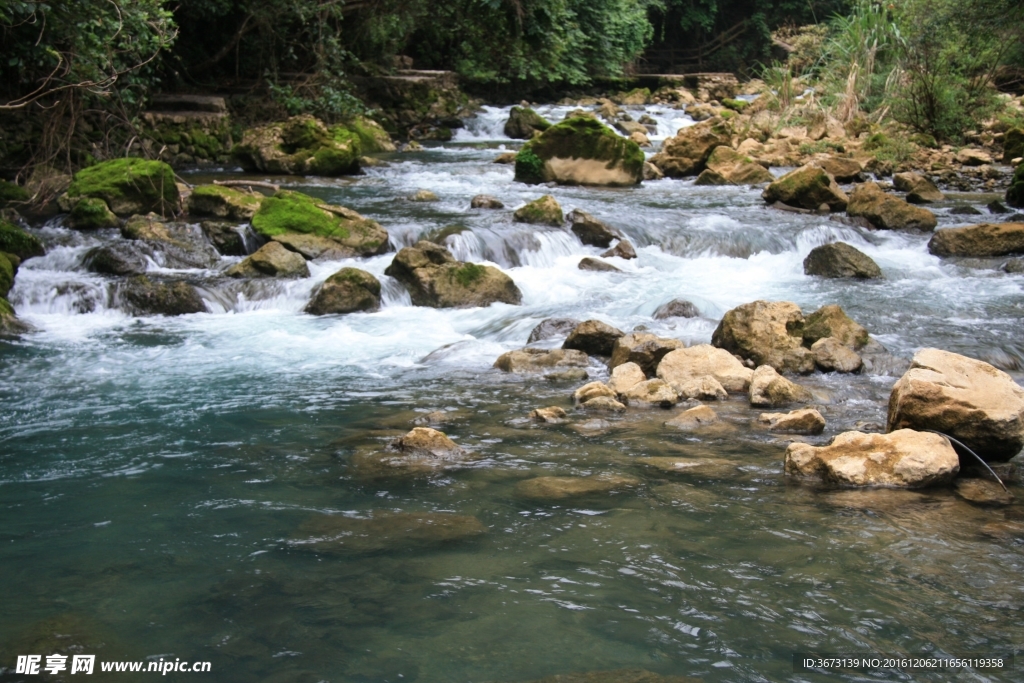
x=902 y=459
x=682 y=366
x=832 y=321
x=543 y=211
x=808 y=187
x=593 y=337
x=887 y=212
x=769 y=389
x=625 y=377
x=736 y=168
x=965 y=398
x=840 y=260
x=919 y=189
x=767 y=333
x=831 y=355
x=644 y=349
x=591 y=391
x=434 y=278
x=986 y=239
x=346 y=291
x=843 y=169
x=270 y=260
x=541 y=360
x=580 y=151
x=803 y=421
x=651 y=393
x=687 y=153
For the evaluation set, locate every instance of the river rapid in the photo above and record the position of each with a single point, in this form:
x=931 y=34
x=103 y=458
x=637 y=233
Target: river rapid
x=154 y=472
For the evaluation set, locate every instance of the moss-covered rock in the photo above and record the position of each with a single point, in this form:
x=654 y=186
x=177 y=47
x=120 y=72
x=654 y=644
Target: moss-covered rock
x=129 y=186
x=218 y=201
x=523 y=122
x=434 y=278
x=736 y=168
x=302 y=145
x=687 y=153
x=543 y=211
x=980 y=241
x=347 y=291
x=887 y=212
x=294 y=213
x=9 y=324
x=808 y=187
x=143 y=296
x=171 y=244
x=1015 y=193
x=91 y=213
x=14 y=240
x=736 y=105
x=580 y=151
x=6 y=275
x=372 y=136
x=11 y=194
x=1013 y=144
x=270 y=260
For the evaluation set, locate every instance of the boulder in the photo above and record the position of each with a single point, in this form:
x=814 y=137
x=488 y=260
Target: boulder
x=14 y=240
x=302 y=145
x=808 y=187
x=591 y=391
x=919 y=189
x=997 y=207
x=580 y=151
x=293 y=215
x=736 y=168
x=434 y=278
x=832 y=321
x=383 y=531
x=552 y=328
x=843 y=169
x=708 y=178
x=604 y=404
x=128 y=186
x=543 y=211
x=965 y=398
x=560 y=488
x=593 y=337
x=681 y=366
x=677 y=308
x=973 y=157
x=549 y=415
x=540 y=360
x=116 y=258
x=694 y=418
x=715 y=468
x=652 y=172
x=7 y=271
x=485 y=201
x=10 y=326
x=767 y=333
x=623 y=250
x=142 y=296
x=218 y=201
x=421 y=450
x=887 y=212
x=423 y=196
x=769 y=389
x=645 y=349
x=597 y=266
x=902 y=459
x=704 y=388
x=982 y=492
x=986 y=239
x=270 y=260
x=831 y=355
x=964 y=210
x=625 y=377
x=651 y=393
x=424 y=442
x=1015 y=193
x=804 y=421
x=11 y=193
x=91 y=213
x=590 y=230
x=346 y=291
x=1013 y=144
x=840 y=260
x=523 y=122
x=225 y=237
x=687 y=153
x=171 y=245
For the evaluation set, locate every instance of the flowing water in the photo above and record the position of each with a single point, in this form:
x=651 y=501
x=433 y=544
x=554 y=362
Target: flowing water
x=155 y=472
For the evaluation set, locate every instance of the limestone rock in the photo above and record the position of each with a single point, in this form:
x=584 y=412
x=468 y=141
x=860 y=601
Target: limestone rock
x=543 y=211
x=485 y=201
x=645 y=349
x=540 y=360
x=570 y=375
x=843 y=169
x=623 y=250
x=982 y=492
x=270 y=260
x=552 y=328
x=887 y=212
x=218 y=201
x=597 y=266
x=625 y=377
x=603 y=404
x=694 y=418
x=715 y=468
x=965 y=398
x=593 y=337
x=686 y=154
x=423 y=196
x=832 y=321
x=143 y=296
x=434 y=278
x=550 y=415
x=590 y=230
x=302 y=145
x=523 y=122
x=225 y=237
x=91 y=213
x=769 y=389
x=705 y=388
x=591 y=391
x=580 y=151
x=840 y=260
x=831 y=355
x=652 y=393
x=903 y=459
x=129 y=186
x=985 y=239
x=736 y=168
x=290 y=214
x=804 y=421
x=346 y=291
x=559 y=488
x=808 y=187
x=117 y=258
x=696 y=362
x=973 y=157
x=768 y=333
x=919 y=189
x=677 y=308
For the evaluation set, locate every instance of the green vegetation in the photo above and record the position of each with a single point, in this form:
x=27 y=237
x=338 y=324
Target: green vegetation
x=14 y=240
x=128 y=185
x=91 y=213
x=6 y=275
x=1015 y=194
x=529 y=166
x=294 y=212
x=9 y=193
x=577 y=138
x=468 y=273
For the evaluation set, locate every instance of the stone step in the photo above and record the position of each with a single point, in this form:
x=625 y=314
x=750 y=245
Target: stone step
x=188 y=103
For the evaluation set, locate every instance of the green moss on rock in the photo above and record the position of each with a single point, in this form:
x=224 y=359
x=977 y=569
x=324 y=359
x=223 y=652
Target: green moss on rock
x=14 y=240
x=302 y=145
x=566 y=153
x=91 y=213
x=290 y=212
x=529 y=166
x=735 y=105
x=10 y=193
x=219 y=201
x=1015 y=194
x=371 y=135
x=6 y=274
x=468 y=273
x=129 y=186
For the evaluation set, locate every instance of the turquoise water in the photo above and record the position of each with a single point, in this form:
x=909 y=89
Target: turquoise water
x=158 y=476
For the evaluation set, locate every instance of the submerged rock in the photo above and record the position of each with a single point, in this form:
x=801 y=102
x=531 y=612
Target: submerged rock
x=524 y=122
x=887 y=212
x=694 y=418
x=143 y=296
x=645 y=349
x=270 y=260
x=288 y=214
x=808 y=187
x=128 y=186
x=982 y=492
x=552 y=328
x=383 y=531
x=597 y=266
x=580 y=151
x=840 y=260
x=768 y=333
x=540 y=360
x=677 y=308
x=434 y=278
x=559 y=488
x=346 y=291
x=983 y=240
x=543 y=211
x=423 y=196
x=485 y=201
x=903 y=458
x=549 y=415
x=422 y=450
x=715 y=468
x=769 y=389
x=965 y=398
x=218 y=201
x=682 y=366
x=593 y=337
x=805 y=421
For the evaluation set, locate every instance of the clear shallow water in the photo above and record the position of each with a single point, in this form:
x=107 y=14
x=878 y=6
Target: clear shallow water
x=153 y=472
